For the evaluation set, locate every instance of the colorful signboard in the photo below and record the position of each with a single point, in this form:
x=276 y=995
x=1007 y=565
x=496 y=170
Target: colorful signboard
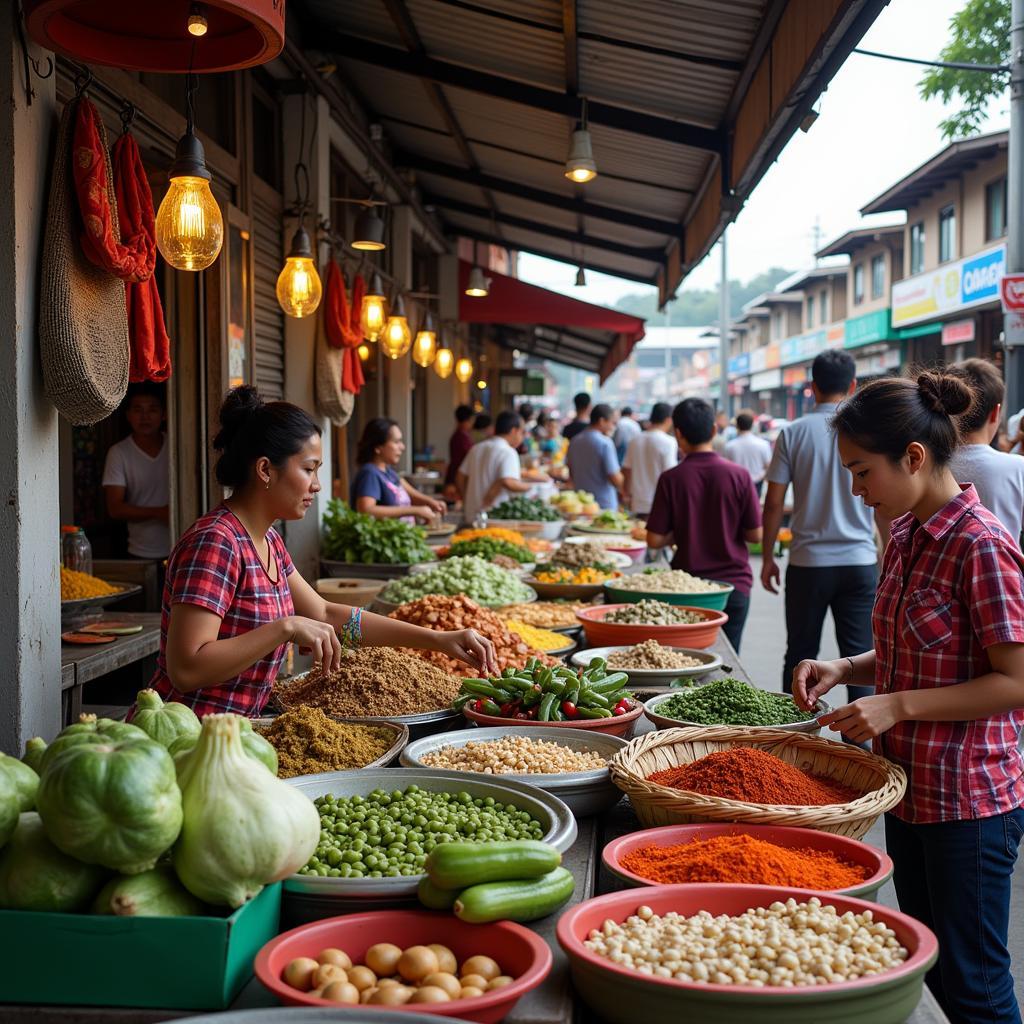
x=949 y=288
x=739 y=365
x=867 y=329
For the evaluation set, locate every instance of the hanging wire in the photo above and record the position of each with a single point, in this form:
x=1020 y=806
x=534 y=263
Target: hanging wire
x=955 y=65
x=128 y=113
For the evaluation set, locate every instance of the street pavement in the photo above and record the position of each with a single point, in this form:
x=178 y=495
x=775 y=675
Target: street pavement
x=762 y=653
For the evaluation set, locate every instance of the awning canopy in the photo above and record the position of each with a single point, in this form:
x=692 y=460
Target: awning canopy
x=552 y=325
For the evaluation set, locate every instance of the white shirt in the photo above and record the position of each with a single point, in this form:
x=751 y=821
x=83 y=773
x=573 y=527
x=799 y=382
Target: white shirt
x=626 y=429
x=146 y=482
x=487 y=461
x=647 y=457
x=999 y=480
x=752 y=453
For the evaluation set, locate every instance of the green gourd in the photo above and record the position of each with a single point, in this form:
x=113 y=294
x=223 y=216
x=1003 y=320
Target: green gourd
x=25 y=780
x=253 y=743
x=162 y=722
x=34 y=750
x=111 y=803
x=90 y=731
x=35 y=875
x=154 y=893
x=10 y=805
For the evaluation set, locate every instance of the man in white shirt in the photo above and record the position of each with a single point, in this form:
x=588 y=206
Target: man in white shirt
x=997 y=476
x=625 y=430
x=647 y=457
x=136 y=476
x=749 y=451
x=490 y=472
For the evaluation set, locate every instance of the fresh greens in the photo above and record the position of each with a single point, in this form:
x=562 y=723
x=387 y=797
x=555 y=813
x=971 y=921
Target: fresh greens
x=530 y=509
x=489 y=547
x=350 y=536
x=732 y=702
x=480 y=581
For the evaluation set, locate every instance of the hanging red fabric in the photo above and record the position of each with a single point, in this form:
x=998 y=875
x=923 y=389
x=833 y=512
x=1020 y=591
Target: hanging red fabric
x=339 y=320
x=150 y=345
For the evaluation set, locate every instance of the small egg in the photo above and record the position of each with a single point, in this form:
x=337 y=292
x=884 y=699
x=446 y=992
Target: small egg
x=474 y=980
x=362 y=977
x=384 y=982
x=481 y=965
x=468 y=991
x=430 y=994
x=383 y=958
x=392 y=995
x=446 y=961
x=326 y=973
x=442 y=979
x=417 y=962
x=499 y=982
x=341 y=992
x=338 y=957
x=299 y=973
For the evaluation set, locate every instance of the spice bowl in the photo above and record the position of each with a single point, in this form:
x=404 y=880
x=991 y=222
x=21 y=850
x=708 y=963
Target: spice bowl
x=653 y=677
x=701 y=634
x=622 y=995
x=619 y=725
x=399 y=730
x=584 y=793
x=520 y=953
x=876 y=864
x=660 y=721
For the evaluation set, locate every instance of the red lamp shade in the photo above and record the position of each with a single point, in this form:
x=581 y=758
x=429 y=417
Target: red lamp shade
x=152 y=36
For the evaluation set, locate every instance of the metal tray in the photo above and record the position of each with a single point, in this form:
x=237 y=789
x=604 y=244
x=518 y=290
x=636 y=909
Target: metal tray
x=662 y=722
x=401 y=731
x=656 y=677
x=548 y=809
x=584 y=793
x=127 y=589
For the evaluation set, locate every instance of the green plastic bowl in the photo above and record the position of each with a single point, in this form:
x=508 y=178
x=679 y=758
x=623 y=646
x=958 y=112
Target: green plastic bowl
x=715 y=599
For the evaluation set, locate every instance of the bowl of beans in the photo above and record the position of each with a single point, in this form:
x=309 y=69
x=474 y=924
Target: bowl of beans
x=669 y=624
x=565 y=762
x=667 y=953
x=673 y=586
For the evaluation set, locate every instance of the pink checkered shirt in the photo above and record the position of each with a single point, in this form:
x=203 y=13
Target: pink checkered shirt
x=215 y=566
x=950 y=588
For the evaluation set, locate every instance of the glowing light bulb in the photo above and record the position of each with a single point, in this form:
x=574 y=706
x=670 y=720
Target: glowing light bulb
x=363 y=351
x=424 y=348
x=397 y=337
x=189 y=225
x=444 y=363
x=298 y=287
x=374 y=313
x=482 y=385
x=464 y=369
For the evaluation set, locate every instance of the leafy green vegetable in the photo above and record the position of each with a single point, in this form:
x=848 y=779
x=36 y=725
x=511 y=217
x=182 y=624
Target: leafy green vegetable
x=488 y=547
x=350 y=536
x=530 y=509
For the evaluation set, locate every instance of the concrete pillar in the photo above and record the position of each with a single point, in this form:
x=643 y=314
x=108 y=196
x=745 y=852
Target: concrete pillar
x=399 y=395
x=30 y=676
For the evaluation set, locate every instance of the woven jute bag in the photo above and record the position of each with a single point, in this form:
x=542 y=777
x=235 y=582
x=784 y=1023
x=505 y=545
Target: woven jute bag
x=332 y=399
x=83 y=321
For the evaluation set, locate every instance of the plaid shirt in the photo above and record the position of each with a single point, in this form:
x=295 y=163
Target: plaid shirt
x=950 y=588
x=215 y=566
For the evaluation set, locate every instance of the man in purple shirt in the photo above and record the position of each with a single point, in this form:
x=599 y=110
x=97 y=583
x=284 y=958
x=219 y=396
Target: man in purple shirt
x=708 y=506
x=458 y=448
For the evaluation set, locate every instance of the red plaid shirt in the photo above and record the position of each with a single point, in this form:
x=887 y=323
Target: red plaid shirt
x=215 y=566
x=950 y=588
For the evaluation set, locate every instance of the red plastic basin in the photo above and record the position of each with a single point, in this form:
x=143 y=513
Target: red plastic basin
x=518 y=951
x=612 y=634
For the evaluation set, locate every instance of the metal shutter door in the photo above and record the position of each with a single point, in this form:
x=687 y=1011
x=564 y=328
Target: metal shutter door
x=268 y=320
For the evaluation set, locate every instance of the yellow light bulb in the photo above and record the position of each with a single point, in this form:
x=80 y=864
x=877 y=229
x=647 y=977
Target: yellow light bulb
x=582 y=175
x=298 y=287
x=197 y=25
x=373 y=317
x=397 y=337
x=482 y=385
x=364 y=352
x=189 y=225
x=424 y=348
x=464 y=369
x=444 y=363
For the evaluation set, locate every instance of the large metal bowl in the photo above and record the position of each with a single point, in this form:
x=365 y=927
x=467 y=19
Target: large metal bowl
x=558 y=821
x=399 y=730
x=656 y=677
x=364 y=570
x=663 y=722
x=584 y=793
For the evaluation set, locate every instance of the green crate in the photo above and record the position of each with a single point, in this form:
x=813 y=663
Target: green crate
x=181 y=963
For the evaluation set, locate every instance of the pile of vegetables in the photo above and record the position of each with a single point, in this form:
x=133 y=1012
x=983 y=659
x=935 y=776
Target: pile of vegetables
x=165 y=816
x=612 y=520
x=528 y=509
x=733 y=702
x=489 y=547
x=575 y=577
x=478 y=580
x=350 y=536
x=539 y=693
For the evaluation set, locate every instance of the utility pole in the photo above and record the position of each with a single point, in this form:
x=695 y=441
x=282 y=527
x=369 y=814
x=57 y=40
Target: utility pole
x=1014 y=368
x=723 y=323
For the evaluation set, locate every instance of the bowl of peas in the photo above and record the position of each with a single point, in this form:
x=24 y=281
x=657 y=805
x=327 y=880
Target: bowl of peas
x=378 y=825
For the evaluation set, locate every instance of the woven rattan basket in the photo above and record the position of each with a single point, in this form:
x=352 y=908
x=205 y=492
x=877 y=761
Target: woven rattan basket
x=881 y=782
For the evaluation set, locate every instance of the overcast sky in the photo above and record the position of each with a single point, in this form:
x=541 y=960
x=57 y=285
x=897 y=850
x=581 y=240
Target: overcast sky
x=873 y=129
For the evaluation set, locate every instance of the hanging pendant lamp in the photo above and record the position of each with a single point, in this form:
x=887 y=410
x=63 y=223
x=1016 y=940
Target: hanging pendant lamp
x=374 y=313
x=478 y=286
x=444 y=363
x=581 y=277
x=363 y=351
x=424 y=348
x=579 y=165
x=298 y=285
x=464 y=369
x=397 y=337
x=368 y=235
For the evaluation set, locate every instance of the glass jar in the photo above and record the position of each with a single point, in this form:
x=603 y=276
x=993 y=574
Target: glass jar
x=75 y=549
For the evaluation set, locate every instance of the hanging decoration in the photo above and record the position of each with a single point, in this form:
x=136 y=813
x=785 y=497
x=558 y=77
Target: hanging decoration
x=444 y=363
x=464 y=370
x=424 y=348
x=341 y=333
x=397 y=337
x=373 y=313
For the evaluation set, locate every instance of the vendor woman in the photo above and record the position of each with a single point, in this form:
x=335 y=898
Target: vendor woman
x=377 y=489
x=948 y=672
x=233 y=600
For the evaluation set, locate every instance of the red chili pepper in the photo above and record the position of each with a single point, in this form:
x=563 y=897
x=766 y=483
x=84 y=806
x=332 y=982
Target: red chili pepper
x=569 y=709
x=619 y=711
x=478 y=705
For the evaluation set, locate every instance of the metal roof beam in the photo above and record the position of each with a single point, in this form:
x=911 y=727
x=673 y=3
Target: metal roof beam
x=612 y=214
x=420 y=65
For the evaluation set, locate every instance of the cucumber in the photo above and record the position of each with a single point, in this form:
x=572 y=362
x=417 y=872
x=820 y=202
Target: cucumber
x=524 y=900
x=458 y=865
x=433 y=898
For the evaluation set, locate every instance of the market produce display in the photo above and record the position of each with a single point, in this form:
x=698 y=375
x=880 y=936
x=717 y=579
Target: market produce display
x=388 y=835
x=732 y=702
x=23 y=779
x=538 y=692
x=541 y=639
x=392 y=976
x=515 y=755
x=527 y=509
x=254 y=745
x=489 y=548
x=164 y=722
x=668 y=581
x=350 y=536
x=490 y=532
x=543 y=614
x=613 y=521
x=580 y=556
x=154 y=893
x=439 y=612
x=743 y=859
x=475 y=578
x=75 y=586
x=653 y=613
x=307 y=741
x=754 y=776
x=372 y=681
x=575 y=503
x=584 y=575
x=34 y=750
x=651 y=655
x=786 y=944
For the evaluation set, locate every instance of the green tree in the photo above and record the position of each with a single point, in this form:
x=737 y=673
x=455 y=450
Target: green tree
x=979 y=34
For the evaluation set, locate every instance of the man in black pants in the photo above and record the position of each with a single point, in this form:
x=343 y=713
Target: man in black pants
x=833 y=562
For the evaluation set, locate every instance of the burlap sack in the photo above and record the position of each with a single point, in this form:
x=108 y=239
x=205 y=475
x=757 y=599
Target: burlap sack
x=332 y=400
x=83 y=322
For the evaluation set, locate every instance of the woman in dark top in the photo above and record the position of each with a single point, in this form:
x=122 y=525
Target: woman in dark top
x=377 y=489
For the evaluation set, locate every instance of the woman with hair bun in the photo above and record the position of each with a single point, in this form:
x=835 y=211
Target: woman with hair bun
x=233 y=600
x=948 y=672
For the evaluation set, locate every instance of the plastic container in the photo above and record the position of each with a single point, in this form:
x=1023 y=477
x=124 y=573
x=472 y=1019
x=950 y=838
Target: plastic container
x=613 y=634
x=75 y=549
x=715 y=599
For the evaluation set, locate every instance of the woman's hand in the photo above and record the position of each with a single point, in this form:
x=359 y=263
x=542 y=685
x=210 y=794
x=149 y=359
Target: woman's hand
x=469 y=646
x=812 y=679
x=866 y=718
x=424 y=512
x=439 y=507
x=316 y=638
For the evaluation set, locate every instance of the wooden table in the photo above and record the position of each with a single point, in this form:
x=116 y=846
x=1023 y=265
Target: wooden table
x=553 y=1002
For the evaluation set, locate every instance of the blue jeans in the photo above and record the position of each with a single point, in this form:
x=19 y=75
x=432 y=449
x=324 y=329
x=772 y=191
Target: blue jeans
x=954 y=876
x=736 y=608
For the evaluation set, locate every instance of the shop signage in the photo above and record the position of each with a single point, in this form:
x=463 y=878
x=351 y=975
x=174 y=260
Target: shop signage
x=772 y=357
x=766 y=380
x=758 y=360
x=1011 y=291
x=867 y=329
x=805 y=347
x=958 y=332
x=1013 y=329
x=835 y=336
x=795 y=375
x=739 y=365
x=949 y=288
x=881 y=362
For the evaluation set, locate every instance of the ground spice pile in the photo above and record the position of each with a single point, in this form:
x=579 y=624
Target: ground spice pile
x=746 y=860
x=307 y=741
x=755 y=777
x=374 y=681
